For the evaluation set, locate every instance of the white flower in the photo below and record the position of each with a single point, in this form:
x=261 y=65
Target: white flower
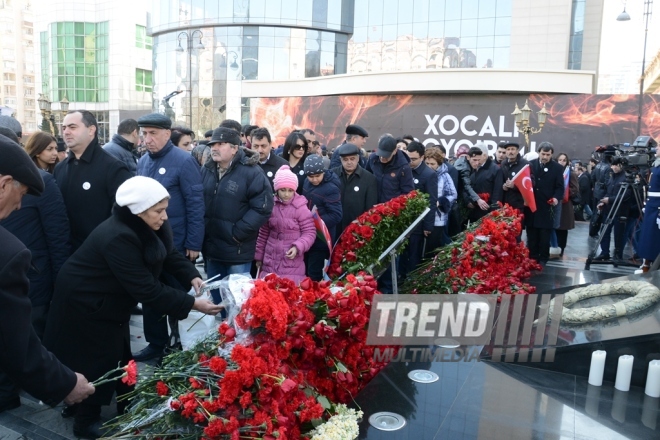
x=342 y=426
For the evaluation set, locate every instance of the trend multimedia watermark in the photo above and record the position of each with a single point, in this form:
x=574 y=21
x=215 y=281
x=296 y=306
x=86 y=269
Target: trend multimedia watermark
x=455 y=328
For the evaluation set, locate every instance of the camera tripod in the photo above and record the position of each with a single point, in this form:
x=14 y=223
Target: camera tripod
x=612 y=216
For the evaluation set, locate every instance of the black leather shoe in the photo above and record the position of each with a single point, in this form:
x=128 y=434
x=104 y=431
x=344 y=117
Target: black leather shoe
x=136 y=310
x=12 y=403
x=90 y=432
x=148 y=353
x=602 y=257
x=69 y=411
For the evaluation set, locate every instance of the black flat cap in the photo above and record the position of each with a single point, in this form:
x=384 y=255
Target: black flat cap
x=224 y=134
x=155 y=120
x=509 y=144
x=356 y=130
x=12 y=124
x=386 y=146
x=17 y=164
x=208 y=133
x=348 y=149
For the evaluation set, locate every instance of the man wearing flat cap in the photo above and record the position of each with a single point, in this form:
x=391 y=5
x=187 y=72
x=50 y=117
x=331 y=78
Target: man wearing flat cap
x=510 y=167
x=178 y=171
x=359 y=189
x=355 y=135
x=391 y=167
x=22 y=357
x=88 y=178
x=239 y=200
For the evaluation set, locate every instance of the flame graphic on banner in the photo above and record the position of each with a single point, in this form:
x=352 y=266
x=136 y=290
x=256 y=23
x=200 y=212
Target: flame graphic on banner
x=283 y=115
x=601 y=111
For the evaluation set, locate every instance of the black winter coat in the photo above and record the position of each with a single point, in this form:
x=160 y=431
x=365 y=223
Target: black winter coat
x=466 y=193
x=394 y=177
x=426 y=181
x=124 y=151
x=117 y=267
x=271 y=166
x=236 y=207
x=487 y=179
x=548 y=183
x=22 y=357
x=89 y=186
x=42 y=225
x=326 y=197
x=359 y=193
x=512 y=196
x=599 y=177
x=585 y=189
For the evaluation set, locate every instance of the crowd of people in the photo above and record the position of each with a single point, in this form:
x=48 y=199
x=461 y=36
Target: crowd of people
x=112 y=226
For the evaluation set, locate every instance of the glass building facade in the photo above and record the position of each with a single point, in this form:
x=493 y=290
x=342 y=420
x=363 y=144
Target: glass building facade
x=204 y=48
x=74 y=61
x=577 y=35
x=394 y=35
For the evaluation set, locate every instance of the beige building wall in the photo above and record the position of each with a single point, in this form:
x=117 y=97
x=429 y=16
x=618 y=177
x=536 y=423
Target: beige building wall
x=540 y=34
x=593 y=26
x=17 y=63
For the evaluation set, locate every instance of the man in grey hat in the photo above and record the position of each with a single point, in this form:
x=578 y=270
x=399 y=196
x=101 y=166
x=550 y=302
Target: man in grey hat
x=355 y=135
x=178 y=171
x=22 y=357
x=359 y=188
x=12 y=124
x=88 y=178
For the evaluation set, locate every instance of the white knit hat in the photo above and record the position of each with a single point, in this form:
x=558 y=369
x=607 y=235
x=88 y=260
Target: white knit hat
x=140 y=193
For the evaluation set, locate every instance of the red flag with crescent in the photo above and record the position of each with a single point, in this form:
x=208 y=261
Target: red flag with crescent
x=523 y=181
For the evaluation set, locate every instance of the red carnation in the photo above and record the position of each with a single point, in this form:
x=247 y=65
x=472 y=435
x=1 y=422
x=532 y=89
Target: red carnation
x=162 y=389
x=130 y=377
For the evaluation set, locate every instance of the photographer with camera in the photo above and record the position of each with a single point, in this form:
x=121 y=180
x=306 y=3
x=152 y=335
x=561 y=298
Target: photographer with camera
x=601 y=173
x=605 y=203
x=648 y=246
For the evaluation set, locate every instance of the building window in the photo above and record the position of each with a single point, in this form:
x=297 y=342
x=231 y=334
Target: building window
x=577 y=35
x=142 y=40
x=143 y=80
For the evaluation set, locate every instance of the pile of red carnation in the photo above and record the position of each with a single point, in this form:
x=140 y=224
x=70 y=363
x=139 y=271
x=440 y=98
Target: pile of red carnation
x=485 y=259
x=306 y=350
x=365 y=239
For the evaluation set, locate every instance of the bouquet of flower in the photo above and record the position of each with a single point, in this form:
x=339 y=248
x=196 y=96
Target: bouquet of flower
x=365 y=239
x=306 y=352
x=486 y=259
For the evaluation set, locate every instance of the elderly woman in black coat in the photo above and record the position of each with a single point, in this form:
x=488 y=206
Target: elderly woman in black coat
x=117 y=266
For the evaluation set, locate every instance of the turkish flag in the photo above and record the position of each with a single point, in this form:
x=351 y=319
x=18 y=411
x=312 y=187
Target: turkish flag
x=523 y=181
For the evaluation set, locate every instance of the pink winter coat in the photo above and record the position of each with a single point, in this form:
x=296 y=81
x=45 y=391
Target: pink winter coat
x=289 y=225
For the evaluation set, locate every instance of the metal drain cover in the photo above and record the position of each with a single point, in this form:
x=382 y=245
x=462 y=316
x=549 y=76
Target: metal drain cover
x=387 y=421
x=447 y=343
x=423 y=376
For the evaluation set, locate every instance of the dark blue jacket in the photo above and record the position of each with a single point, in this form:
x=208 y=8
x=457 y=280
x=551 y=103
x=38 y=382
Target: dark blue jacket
x=426 y=181
x=179 y=173
x=124 y=151
x=236 y=207
x=43 y=227
x=326 y=197
x=394 y=177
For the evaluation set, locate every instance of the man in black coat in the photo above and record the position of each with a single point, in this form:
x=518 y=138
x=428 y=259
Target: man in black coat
x=238 y=200
x=486 y=180
x=22 y=357
x=268 y=160
x=606 y=203
x=88 y=178
x=548 y=193
x=426 y=181
x=584 y=182
x=355 y=135
x=123 y=145
x=510 y=167
x=359 y=189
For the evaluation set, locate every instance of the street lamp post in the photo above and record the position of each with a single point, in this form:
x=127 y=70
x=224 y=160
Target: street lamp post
x=190 y=38
x=522 y=120
x=44 y=107
x=624 y=16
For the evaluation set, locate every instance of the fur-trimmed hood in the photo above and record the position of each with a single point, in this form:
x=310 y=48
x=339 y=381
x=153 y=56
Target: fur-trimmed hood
x=156 y=244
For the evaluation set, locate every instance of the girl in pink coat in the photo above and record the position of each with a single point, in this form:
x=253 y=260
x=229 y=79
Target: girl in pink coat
x=289 y=232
